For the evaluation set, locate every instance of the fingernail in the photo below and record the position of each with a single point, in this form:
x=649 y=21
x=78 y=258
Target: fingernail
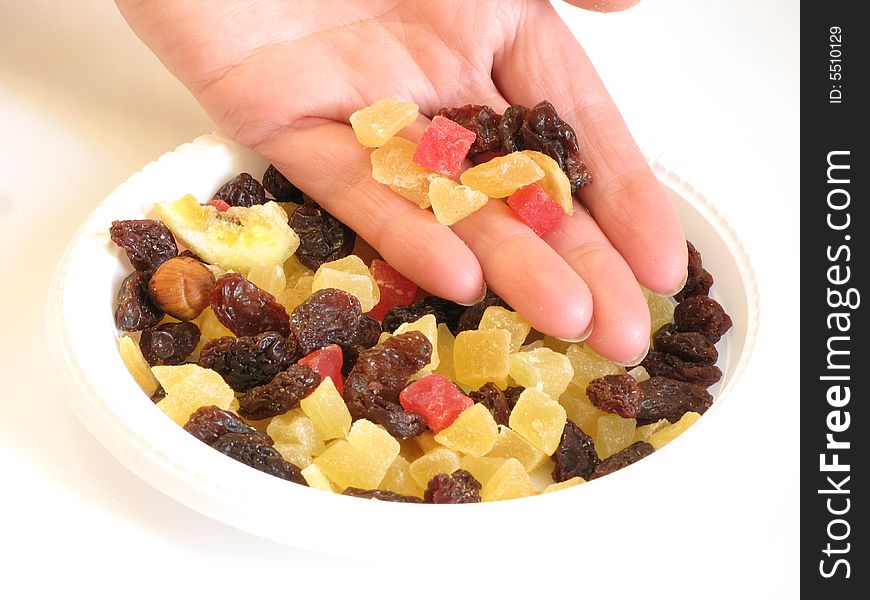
x=582 y=337
x=679 y=287
x=479 y=299
x=636 y=361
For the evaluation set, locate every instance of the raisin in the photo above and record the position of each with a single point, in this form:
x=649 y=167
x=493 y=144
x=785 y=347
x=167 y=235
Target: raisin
x=699 y=280
x=575 y=456
x=245 y=309
x=247 y=362
x=252 y=450
x=135 y=310
x=483 y=121
x=618 y=394
x=148 y=243
x=330 y=316
x=703 y=315
x=665 y=398
x=322 y=237
x=472 y=315
x=280 y=187
x=622 y=459
x=384 y=495
x=281 y=394
x=445 y=311
x=380 y=373
x=241 y=190
x=460 y=487
x=169 y=344
x=208 y=423
x=368 y=332
x=669 y=365
x=512 y=395
x=690 y=346
x=495 y=402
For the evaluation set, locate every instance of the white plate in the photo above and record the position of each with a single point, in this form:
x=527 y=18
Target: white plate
x=110 y=404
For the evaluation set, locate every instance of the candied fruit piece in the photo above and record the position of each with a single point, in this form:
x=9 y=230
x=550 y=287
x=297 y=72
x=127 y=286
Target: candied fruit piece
x=362 y=460
x=588 y=365
x=377 y=123
x=554 y=182
x=137 y=365
x=210 y=327
x=481 y=120
x=395 y=288
x=542 y=369
x=639 y=373
x=294 y=427
x=189 y=387
x=426 y=442
x=326 y=362
x=350 y=275
x=618 y=394
x=428 y=327
x=534 y=207
x=327 y=410
x=613 y=434
x=445 y=352
x=482 y=356
x=482 y=467
x=667 y=434
x=553 y=487
x=436 y=398
x=498 y=317
x=443 y=146
x=392 y=166
x=451 y=202
x=539 y=419
x=440 y=460
x=503 y=175
x=317 y=479
x=471 y=316
x=398 y=479
x=581 y=411
x=509 y=444
x=293 y=454
x=643 y=432
x=270 y=278
x=575 y=455
x=379 y=446
x=661 y=309
x=473 y=432
x=460 y=487
x=622 y=459
x=510 y=481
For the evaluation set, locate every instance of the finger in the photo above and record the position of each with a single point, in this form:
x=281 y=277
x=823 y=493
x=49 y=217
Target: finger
x=625 y=198
x=604 y=5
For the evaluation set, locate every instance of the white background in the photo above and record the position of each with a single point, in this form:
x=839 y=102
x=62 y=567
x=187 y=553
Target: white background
x=83 y=104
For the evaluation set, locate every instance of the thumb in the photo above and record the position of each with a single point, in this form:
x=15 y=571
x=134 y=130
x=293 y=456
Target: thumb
x=604 y=5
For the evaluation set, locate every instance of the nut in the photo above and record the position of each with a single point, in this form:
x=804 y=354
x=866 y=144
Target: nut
x=181 y=287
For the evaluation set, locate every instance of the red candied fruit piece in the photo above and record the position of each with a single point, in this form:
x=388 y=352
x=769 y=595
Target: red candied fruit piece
x=219 y=204
x=536 y=208
x=396 y=289
x=436 y=398
x=443 y=146
x=326 y=362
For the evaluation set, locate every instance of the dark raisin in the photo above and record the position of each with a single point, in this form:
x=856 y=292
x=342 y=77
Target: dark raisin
x=329 y=316
x=703 y=315
x=622 y=459
x=665 y=398
x=495 y=402
x=252 y=450
x=148 y=243
x=281 y=394
x=669 y=365
x=368 y=332
x=445 y=311
x=512 y=394
x=241 y=190
x=322 y=237
x=511 y=122
x=690 y=346
x=699 y=280
x=384 y=495
x=483 y=121
x=460 y=487
x=245 y=309
x=169 y=344
x=575 y=456
x=380 y=373
x=247 y=362
x=618 y=394
x=208 y=423
x=280 y=187
x=135 y=311
x=472 y=315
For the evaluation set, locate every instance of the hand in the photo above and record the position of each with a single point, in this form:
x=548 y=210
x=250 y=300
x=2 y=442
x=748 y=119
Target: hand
x=283 y=77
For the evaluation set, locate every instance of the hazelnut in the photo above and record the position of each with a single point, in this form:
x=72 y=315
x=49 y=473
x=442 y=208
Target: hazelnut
x=181 y=287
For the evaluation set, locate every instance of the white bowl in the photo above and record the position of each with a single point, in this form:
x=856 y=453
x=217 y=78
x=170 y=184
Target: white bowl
x=123 y=419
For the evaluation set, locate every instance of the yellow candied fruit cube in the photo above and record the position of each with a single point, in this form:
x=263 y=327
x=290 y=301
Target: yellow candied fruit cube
x=554 y=182
x=556 y=344
x=533 y=346
x=542 y=475
x=362 y=460
x=503 y=175
x=139 y=368
x=481 y=467
x=379 y=122
x=446 y=342
x=588 y=365
x=639 y=373
x=317 y=479
x=482 y=356
x=473 y=432
x=563 y=485
x=440 y=460
x=643 y=432
x=393 y=165
x=661 y=309
x=542 y=369
x=613 y=434
x=581 y=412
x=539 y=419
x=351 y=275
x=452 y=202
x=327 y=410
x=426 y=442
x=398 y=479
x=270 y=278
x=509 y=444
x=497 y=317
x=296 y=294
x=189 y=387
x=294 y=453
x=410 y=451
x=428 y=327
x=294 y=427
x=210 y=327
x=667 y=434
x=293 y=270
x=380 y=446
x=510 y=481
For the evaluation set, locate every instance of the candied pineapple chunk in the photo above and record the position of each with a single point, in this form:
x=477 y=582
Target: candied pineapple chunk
x=426 y=442
x=503 y=175
x=661 y=309
x=380 y=446
x=392 y=166
x=139 y=368
x=563 y=484
x=473 y=432
x=542 y=369
x=293 y=270
x=581 y=411
x=379 y=122
x=588 y=365
x=428 y=327
x=667 y=434
x=482 y=467
x=643 y=432
x=497 y=317
x=445 y=352
x=189 y=387
x=554 y=182
x=482 y=356
x=210 y=327
x=539 y=419
x=451 y=202
x=294 y=453
x=613 y=434
x=315 y=478
x=511 y=445
x=639 y=373
x=362 y=460
x=351 y=275
x=270 y=278
x=327 y=410
x=398 y=479
x=510 y=481
x=440 y=460
x=294 y=427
